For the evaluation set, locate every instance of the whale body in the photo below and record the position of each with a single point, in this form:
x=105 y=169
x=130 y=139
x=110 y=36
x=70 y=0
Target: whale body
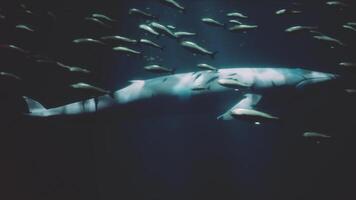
x=182 y=88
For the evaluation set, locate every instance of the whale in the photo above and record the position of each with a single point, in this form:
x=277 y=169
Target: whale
x=172 y=92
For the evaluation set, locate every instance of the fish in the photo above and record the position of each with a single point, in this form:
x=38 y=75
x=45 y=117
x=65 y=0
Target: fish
x=212 y=22
x=196 y=49
x=97 y=21
x=163 y=30
x=300 y=28
x=142 y=14
x=348 y=27
x=351 y=23
x=73 y=68
x=242 y=27
x=14 y=48
x=159 y=69
x=336 y=3
x=172 y=4
x=233 y=83
x=87 y=41
x=347 y=64
x=315 y=135
x=233 y=21
x=126 y=50
x=329 y=39
x=236 y=14
x=24 y=27
x=350 y=91
x=150 y=43
x=119 y=39
x=102 y=16
x=88 y=87
x=285 y=11
x=171 y=27
x=207 y=67
x=183 y=34
x=251 y=114
x=149 y=29
x=10 y=75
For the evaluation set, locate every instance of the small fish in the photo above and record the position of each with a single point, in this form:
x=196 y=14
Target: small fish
x=24 y=27
x=150 y=43
x=87 y=41
x=2 y=16
x=252 y=114
x=196 y=49
x=234 y=21
x=159 y=69
x=171 y=27
x=242 y=27
x=149 y=29
x=163 y=30
x=182 y=34
x=233 y=83
x=212 y=22
x=350 y=91
x=347 y=64
x=14 y=48
x=142 y=14
x=285 y=11
x=300 y=28
x=97 y=21
x=315 y=135
x=207 y=67
x=236 y=14
x=172 y=4
x=73 y=69
x=104 y=17
x=337 y=3
x=10 y=75
x=126 y=50
x=119 y=39
x=351 y=23
x=88 y=87
x=329 y=39
x=348 y=27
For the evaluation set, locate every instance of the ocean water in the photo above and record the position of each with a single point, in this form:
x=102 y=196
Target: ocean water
x=149 y=152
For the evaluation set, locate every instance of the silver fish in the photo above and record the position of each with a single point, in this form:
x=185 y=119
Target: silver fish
x=347 y=64
x=329 y=39
x=150 y=43
x=348 y=27
x=88 y=87
x=285 y=11
x=315 y=135
x=196 y=49
x=207 y=67
x=336 y=3
x=233 y=21
x=119 y=39
x=127 y=50
x=300 y=28
x=163 y=30
x=236 y=14
x=101 y=16
x=87 y=41
x=171 y=27
x=183 y=34
x=142 y=14
x=149 y=29
x=24 y=27
x=212 y=22
x=243 y=27
x=159 y=69
x=172 y=4
x=10 y=75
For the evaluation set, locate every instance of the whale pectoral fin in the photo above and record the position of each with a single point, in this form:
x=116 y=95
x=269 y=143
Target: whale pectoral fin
x=248 y=102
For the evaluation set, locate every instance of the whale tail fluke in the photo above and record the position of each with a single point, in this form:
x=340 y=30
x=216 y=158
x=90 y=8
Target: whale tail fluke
x=34 y=106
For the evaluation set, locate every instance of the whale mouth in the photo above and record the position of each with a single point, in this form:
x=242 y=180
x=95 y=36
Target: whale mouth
x=315 y=79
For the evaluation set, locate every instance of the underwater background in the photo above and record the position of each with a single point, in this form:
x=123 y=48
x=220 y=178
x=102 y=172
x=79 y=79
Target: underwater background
x=180 y=155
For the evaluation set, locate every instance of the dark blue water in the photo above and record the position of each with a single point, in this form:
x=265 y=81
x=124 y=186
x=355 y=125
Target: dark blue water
x=180 y=155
